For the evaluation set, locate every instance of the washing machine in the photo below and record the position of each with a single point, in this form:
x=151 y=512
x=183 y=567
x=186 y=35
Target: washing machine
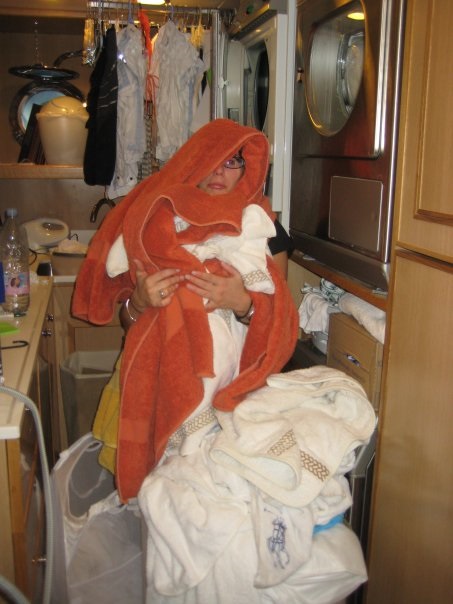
x=346 y=104
x=257 y=88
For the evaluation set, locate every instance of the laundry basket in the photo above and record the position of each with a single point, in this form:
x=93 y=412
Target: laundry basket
x=83 y=376
x=98 y=550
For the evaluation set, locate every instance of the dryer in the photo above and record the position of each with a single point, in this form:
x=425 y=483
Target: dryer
x=346 y=99
x=256 y=83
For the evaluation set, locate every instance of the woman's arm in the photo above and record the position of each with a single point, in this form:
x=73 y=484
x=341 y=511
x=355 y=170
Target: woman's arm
x=281 y=260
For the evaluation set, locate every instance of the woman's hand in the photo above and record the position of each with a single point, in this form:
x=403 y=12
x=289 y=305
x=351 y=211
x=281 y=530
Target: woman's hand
x=221 y=292
x=155 y=289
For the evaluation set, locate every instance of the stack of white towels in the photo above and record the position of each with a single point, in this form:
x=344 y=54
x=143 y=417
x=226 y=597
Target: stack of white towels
x=255 y=513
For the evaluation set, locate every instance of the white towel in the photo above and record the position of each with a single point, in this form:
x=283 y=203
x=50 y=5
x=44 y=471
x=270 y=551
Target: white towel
x=369 y=316
x=314 y=313
x=246 y=252
x=191 y=518
x=334 y=570
x=291 y=436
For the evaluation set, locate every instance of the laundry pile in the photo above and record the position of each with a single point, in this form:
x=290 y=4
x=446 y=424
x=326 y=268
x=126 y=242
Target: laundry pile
x=255 y=513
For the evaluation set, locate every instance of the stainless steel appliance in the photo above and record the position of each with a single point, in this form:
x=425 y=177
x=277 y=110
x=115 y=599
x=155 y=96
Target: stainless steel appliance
x=257 y=85
x=348 y=63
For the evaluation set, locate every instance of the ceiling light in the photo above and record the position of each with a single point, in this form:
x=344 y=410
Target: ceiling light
x=356 y=16
x=153 y=2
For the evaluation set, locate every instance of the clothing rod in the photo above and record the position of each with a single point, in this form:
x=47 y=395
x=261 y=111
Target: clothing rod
x=161 y=8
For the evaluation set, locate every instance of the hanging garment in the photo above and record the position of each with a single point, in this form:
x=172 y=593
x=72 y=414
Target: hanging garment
x=100 y=150
x=177 y=68
x=130 y=124
x=202 y=96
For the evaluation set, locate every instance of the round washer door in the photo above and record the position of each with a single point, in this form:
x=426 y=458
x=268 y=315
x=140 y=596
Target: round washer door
x=334 y=69
x=36 y=93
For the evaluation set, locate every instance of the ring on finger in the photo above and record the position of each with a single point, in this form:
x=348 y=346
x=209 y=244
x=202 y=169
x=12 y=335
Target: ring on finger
x=163 y=293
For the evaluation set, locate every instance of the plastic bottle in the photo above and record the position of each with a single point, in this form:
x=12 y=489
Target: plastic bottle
x=14 y=257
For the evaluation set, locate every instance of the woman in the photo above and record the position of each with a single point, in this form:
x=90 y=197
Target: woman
x=222 y=292
x=210 y=315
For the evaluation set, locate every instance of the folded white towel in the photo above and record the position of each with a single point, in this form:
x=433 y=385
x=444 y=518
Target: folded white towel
x=314 y=313
x=369 y=316
x=291 y=436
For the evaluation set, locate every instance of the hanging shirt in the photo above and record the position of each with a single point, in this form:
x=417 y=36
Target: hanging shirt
x=100 y=150
x=130 y=131
x=176 y=67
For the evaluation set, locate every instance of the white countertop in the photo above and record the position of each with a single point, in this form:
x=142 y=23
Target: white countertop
x=19 y=363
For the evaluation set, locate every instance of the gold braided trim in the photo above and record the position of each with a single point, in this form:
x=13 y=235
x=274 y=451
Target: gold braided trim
x=205 y=418
x=257 y=276
x=287 y=441
x=284 y=443
x=314 y=466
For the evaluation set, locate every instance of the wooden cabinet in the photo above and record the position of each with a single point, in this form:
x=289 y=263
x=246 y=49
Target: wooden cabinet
x=411 y=542
x=353 y=350
x=22 y=515
x=26 y=506
x=411 y=539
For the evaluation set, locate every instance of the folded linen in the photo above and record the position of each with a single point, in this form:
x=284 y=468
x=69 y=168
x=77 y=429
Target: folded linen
x=291 y=436
x=314 y=313
x=369 y=316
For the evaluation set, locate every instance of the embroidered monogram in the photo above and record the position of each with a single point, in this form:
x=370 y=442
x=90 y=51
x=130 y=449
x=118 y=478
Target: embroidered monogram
x=276 y=544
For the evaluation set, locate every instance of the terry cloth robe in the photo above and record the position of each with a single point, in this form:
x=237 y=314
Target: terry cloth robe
x=169 y=350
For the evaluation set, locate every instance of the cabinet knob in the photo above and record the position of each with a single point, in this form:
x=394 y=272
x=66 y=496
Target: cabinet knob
x=39 y=560
x=46 y=333
x=50 y=317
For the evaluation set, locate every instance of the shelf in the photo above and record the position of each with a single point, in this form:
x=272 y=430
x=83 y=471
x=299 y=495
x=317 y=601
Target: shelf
x=349 y=284
x=36 y=171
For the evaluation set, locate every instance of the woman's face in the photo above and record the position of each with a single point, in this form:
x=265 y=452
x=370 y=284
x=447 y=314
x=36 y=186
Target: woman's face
x=222 y=180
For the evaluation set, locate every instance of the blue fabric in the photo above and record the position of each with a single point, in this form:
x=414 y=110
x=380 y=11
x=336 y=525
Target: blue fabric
x=322 y=527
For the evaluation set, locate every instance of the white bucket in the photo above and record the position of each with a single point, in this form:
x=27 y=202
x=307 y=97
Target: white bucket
x=62 y=129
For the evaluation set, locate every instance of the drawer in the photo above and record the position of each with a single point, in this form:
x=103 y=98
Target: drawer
x=353 y=350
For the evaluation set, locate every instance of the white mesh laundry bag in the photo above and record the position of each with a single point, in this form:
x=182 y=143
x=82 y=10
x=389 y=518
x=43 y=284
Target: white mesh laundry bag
x=98 y=546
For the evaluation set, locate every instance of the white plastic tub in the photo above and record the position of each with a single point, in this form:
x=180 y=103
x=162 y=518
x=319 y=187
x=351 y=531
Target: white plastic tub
x=62 y=129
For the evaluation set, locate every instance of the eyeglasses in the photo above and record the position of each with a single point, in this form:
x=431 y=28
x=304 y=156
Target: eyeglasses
x=234 y=163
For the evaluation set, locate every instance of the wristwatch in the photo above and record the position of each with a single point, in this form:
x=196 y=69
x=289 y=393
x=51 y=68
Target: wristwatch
x=245 y=319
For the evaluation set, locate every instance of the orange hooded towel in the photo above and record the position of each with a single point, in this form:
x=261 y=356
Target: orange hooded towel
x=168 y=351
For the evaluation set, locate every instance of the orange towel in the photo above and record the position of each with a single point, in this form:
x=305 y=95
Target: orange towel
x=168 y=351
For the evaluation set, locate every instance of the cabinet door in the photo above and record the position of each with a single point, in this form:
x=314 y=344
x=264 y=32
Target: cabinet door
x=425 y=183
x=411 y=543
